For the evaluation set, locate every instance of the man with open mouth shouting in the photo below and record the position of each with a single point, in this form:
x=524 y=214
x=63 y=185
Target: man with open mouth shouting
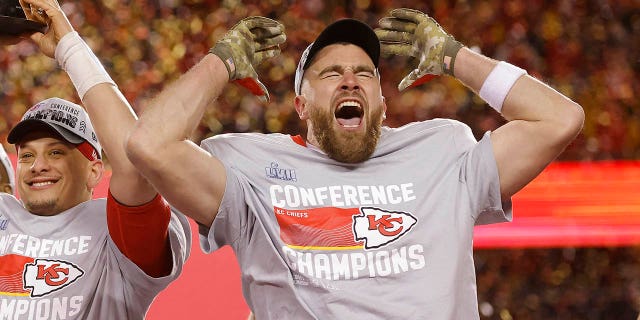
x=358 y=220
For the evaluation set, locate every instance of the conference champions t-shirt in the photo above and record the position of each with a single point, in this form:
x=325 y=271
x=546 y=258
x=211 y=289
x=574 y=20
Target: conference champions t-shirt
x=389 y=238
x=67 y=267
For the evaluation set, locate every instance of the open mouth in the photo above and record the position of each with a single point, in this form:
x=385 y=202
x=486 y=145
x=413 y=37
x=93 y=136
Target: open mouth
x=349 y=114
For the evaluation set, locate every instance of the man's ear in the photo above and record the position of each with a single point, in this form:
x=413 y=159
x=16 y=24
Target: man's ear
x=6 y=188
x=301 y=107
x=384 y=108
x=95 y=175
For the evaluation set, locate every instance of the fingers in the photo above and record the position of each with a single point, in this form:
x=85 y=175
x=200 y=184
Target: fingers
x=262 y=32
x=267 y=34
x=260 y=56
x=27 y=9
x=247 y=44
x=35 y=10
x=397 y=33
x=408 y=80
x=412 y=15
x=262 y=22
x=397 y=49
x=392 y=36
x=262 y=27
x=395 y=24
x=264 y=43
x=416 y=82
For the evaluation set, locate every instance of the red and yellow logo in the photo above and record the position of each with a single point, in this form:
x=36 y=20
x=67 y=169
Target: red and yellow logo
x=331 y=228
x=25 y=276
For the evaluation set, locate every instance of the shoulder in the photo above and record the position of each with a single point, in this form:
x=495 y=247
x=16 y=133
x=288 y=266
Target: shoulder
x=422 y=129
x=437 y=124
x=97 y=207
x=249 y=137
x=250 y=143
x=446 y=135
x=9 y=204
x=6 y=198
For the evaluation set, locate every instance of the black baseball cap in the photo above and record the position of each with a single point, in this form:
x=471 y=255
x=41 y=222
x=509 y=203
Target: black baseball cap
x=345 y=30
x=13 y=21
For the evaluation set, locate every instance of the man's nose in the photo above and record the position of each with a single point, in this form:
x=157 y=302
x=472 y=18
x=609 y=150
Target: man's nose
x=350 y=81
x=40 y=163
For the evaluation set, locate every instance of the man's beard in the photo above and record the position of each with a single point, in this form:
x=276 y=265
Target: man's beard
x=42 y=207
x=347 y=147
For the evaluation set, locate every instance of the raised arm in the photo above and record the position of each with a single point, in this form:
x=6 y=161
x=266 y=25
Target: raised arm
x=110 y=113
x=191 y=179
x=542 y=122
x=137 y=218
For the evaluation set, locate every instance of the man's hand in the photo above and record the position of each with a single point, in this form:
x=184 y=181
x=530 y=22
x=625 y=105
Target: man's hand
x=409 y=32
x=50 y=13
x=245 y=46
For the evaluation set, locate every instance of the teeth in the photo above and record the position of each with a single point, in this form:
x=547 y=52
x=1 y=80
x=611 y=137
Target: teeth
x=40 y=184
x=349 y=103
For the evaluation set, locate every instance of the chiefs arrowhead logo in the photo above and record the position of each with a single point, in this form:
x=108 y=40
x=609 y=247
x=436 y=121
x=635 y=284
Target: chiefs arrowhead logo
x=378 y=227
x=46 y=276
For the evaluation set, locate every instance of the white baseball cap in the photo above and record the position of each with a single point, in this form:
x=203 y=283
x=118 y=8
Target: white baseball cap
x=66 y=118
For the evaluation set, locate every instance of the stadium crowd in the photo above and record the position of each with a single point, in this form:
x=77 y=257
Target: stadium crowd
x=587 y=49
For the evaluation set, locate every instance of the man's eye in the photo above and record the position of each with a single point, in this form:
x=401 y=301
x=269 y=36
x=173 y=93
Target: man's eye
x=365 y=74
x=331 y=75
x=56 y=152
x=25 y=155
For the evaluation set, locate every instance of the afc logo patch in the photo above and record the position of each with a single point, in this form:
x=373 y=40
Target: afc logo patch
x=273 y=172
x=45 y=276
x=377 y=227
x=4 y=222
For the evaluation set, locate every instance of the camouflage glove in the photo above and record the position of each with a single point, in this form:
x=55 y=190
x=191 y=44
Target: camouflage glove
x=246 y=45
x=409 y=32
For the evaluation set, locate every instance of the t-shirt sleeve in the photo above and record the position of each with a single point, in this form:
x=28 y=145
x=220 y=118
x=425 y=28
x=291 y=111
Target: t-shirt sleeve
x=141 y=287
x=479 y=172
x=233 y=212
x=141 y=233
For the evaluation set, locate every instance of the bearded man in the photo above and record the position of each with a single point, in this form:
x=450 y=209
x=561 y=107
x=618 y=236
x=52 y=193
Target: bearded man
x=358 y=220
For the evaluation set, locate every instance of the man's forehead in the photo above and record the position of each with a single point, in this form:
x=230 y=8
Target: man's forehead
x=45 y=136
x=341 y=54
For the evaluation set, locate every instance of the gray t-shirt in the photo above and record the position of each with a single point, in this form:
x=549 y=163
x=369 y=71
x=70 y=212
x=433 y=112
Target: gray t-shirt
x=67 y=267
x=389 y=238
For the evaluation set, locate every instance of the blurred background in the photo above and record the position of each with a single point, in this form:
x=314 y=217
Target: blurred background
x=588 y=50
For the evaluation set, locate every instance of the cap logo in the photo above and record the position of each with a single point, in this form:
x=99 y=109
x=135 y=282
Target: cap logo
x=83 y=127
x=62 y=114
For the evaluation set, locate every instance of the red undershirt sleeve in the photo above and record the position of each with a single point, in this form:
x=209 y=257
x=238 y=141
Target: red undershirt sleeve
x=141 y=234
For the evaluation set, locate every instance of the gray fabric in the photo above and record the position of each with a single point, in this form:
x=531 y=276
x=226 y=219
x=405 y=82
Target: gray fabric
x=390 y=238
x=83 y=274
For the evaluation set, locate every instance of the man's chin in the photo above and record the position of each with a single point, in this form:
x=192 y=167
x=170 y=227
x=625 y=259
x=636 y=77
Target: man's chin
x=41 y=207
x=350 y=158
x=347 y=146
x=354 y=149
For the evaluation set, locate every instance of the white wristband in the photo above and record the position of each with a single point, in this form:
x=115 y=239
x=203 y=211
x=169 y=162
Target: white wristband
x=82 y=66
x=498 y=84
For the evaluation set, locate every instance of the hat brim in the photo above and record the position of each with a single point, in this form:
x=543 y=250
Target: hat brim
x=32 y=125
x=13 y=26
x=347 y=31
